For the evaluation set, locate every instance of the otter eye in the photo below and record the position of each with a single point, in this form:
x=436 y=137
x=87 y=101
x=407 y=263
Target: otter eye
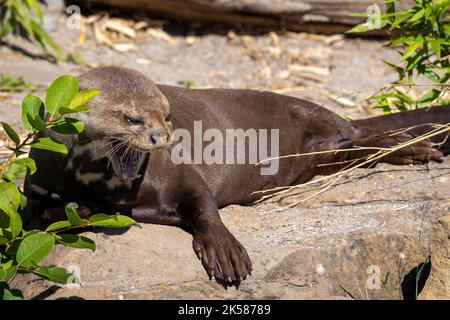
x=167 y=116
x=133 y=120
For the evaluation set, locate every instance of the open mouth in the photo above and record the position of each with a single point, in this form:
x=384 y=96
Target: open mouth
x=126 y=161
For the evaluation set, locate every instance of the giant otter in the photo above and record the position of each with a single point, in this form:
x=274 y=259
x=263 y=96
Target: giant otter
x=122 y=162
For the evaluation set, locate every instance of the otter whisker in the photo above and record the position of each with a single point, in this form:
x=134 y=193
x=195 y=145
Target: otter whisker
x=126 y=151
x=110 y=154
x=115 y=148
x=102 y=147
x=125 y=154
x=110 y=141
x=113 y=151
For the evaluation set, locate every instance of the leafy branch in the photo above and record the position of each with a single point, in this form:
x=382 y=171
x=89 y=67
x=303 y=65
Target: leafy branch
x=10 y=84
x=27 y=16
x=421 y=35
x=23 y=251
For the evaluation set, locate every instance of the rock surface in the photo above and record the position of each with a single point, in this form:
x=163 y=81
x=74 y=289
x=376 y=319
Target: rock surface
x=378 y=217
x=373 y=226
x=438 y=285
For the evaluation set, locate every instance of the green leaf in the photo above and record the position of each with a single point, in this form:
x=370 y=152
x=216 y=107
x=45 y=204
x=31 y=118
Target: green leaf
x=61 y=93
x=359 y=14
x=45 y=39
x=23 y=16
x=26 y=162
x=7 y=264
x=390 y=6
x=82 y=98
x=12 y=84
x=363 y=27
x=18 y=168
x=117 y=220
x=15 y=224
x=54 y=274
x=48 y=144
x=11 y=226
x=68 y=126
x=404 y=97
x=75 y=57
x=38 y=10
x=7 y=273
x=34 y=248
x=411 y=49
x=12 y=134
x=345 y=117
x=4 y=222
x=6 y=28
x=36 y=122
x=9 y=197
x=76 y=241
x=30 y=232
x=403 y=40
x=7 y=293
x=398 y=69
x=419 y=14
x=429 y=96
x=11 y=249
x=72 y=215
x=414 y=63
x=436 y=46
x=63 y=111
x=58 y=225
x=31 y=106
x=430 y=73
x=23 y=203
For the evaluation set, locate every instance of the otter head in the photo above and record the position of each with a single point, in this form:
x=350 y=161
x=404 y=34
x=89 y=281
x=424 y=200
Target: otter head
x=130 y=117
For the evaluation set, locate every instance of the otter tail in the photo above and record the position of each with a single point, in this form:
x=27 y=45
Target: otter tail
x=422 y=118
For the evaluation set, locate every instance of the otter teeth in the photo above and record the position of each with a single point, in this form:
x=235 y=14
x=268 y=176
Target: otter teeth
x=126 y=164
x=129 y=167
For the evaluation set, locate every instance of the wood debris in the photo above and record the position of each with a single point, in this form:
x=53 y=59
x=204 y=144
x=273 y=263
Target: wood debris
x=120 y=34
x=143 y=61
x=124 y=47
x=343 y=101
x=120 y=26
x=190 y=40
x=317 y=74
x=161 y=35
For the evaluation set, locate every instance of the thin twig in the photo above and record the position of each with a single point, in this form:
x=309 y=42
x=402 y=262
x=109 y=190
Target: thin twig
x=373 y=158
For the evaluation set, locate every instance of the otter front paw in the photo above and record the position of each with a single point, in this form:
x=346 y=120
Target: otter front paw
x=222 y=256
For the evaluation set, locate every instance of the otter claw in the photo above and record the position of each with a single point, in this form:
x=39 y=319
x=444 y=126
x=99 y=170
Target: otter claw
x=224 y=258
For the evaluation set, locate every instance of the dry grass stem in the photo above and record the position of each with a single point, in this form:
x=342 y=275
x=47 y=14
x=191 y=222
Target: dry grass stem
x=325 y=183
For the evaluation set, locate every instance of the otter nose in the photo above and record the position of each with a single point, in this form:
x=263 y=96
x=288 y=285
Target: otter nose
x=158 y=136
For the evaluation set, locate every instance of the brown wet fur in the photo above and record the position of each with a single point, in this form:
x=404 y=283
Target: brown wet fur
x=190 y=195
